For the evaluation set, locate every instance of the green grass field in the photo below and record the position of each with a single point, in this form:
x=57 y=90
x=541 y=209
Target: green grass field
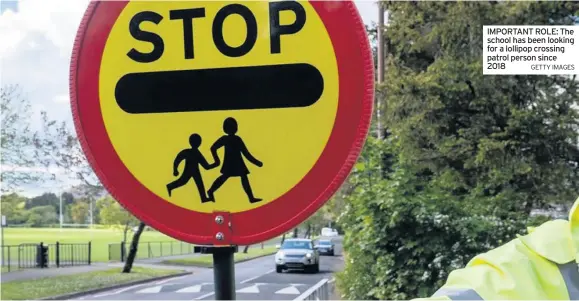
x=100 y=238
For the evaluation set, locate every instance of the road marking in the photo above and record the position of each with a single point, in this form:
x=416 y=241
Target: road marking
x=205 y=296
x=190 y=289
x=254 y=289
x=253 y=278
x=290 y=290
x=151 y=290
x=170 y=279
x=332 y=280
x=120 y=290
x=193 y=289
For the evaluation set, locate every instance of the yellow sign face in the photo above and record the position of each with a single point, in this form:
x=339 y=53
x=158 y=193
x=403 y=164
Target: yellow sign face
x=255 y=81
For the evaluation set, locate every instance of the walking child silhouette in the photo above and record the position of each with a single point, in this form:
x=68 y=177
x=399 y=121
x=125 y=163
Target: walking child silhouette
x=193 y=158
x=233 y=165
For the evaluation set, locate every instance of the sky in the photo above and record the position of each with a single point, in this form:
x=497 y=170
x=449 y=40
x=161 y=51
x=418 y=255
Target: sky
x=37 y=39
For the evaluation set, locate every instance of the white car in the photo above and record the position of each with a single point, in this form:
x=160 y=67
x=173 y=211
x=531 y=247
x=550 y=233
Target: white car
x=329 y=232
x=297 y=254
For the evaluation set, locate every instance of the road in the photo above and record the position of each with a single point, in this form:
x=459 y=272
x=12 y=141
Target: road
x=255 y=280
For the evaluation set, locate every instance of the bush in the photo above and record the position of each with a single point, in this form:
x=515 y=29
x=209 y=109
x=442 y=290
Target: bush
x=405 y=235
x=405 y=247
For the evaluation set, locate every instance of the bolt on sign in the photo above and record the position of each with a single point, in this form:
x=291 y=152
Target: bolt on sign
x=222 y=122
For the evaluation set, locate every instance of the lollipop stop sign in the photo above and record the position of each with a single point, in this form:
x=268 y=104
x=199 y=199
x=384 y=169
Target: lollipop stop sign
x=222 y=123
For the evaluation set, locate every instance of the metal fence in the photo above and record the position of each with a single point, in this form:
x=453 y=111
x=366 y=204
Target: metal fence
x=27 y=256
x=69 y=254
x=16 y=257
x=146 y=250
x=323 y=290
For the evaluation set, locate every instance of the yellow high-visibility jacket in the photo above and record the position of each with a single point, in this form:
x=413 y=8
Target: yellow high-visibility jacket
x=542 y=265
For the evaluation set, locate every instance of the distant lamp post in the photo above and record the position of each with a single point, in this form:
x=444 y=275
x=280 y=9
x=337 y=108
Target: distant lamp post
x=2 y=226
x=61 y=213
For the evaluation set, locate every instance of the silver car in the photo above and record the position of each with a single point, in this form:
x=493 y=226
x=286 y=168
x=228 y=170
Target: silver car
x=297 y=254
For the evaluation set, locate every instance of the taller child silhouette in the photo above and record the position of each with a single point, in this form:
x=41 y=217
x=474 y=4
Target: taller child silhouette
x=233 y=165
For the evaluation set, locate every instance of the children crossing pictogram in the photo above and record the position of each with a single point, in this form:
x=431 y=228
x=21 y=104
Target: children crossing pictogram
x=233 y=165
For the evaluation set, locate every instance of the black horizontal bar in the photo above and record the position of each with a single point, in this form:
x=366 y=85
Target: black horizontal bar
x=239 y=88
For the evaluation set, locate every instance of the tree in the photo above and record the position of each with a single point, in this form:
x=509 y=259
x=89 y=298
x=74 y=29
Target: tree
x=134 y=248
x=45 y=199
x=470 y=155
x=112 y=213
x=79 y=212
x=461 y=125
x=67 y=198
x=67 y=202
x=314 y=222
x=20 y=165
x=13 y=207
x=62 y=148
x=42 y=216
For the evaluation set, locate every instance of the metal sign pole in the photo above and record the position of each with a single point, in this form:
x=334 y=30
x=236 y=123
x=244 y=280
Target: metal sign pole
x=224 y=272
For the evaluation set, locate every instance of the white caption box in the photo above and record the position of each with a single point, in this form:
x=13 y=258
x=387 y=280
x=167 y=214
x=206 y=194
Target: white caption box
x=526 y=50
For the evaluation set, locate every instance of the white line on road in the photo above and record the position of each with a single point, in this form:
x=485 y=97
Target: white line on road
x=190 y=289
x=253 y=278
x=290 y=290
x=120 y=290
x=170 y=279
x=205 y=296
x=194 y=289
x=254 y=289
x=242 y=282
x=151 y=290
x=332 y=280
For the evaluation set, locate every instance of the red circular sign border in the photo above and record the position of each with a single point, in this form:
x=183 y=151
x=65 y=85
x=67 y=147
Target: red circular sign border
x=356 y=95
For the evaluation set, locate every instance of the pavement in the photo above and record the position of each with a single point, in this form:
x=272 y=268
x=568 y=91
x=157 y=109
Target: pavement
x=254 y=280
x=29 y=274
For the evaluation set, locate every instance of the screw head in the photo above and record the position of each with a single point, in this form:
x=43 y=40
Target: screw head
x=219 y=219
x=219 y=236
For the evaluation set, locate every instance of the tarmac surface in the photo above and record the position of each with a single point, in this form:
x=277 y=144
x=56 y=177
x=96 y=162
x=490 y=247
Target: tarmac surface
x=254 y=280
